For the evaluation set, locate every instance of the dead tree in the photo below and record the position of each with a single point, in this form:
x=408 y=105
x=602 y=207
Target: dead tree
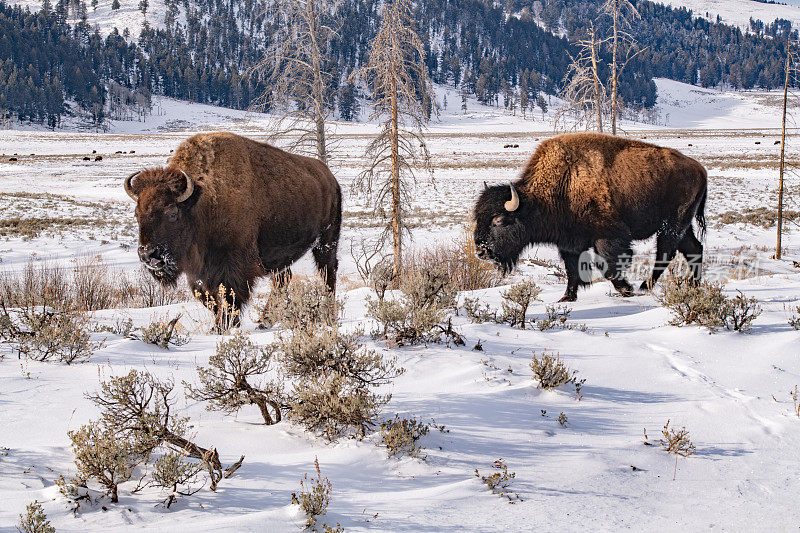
x=584 y=91
x=297 y=75
x=398 y=80
x=622 y=13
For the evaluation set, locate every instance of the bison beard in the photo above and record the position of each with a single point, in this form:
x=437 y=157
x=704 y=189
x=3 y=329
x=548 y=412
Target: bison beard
x=598 y=192
x=227 y=210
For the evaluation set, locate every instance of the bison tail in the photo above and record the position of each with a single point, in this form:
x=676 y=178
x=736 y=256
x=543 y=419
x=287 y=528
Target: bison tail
x=700 y=215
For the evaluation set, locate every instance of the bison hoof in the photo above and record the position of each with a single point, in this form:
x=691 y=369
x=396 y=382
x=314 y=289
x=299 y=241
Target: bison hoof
x=568 y=298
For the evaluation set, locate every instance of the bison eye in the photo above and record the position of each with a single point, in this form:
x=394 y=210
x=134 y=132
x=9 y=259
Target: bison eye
x=172 y=215
x=500 y=220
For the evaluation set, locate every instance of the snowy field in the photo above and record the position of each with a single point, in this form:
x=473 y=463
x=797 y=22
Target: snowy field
x=731 y=391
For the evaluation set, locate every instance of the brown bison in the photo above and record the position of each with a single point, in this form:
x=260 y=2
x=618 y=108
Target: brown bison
x=587 y=190
x=227 y=210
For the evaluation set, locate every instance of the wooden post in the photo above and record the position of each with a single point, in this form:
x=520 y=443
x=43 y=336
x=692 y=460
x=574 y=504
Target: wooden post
x=783 y=146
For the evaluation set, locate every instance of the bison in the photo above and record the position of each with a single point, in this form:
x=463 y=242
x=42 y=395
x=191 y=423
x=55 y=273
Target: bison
x=227 y=210
x=592 y=191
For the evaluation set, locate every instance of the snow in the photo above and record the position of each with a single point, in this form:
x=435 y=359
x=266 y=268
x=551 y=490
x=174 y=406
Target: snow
x=106 y=19
x=739 y=12
x=730 y=390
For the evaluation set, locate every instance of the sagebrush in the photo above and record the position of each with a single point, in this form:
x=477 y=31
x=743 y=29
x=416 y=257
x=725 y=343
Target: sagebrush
x=704 y=303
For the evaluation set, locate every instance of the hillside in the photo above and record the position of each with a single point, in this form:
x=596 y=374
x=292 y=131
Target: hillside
x=203 y=51
x=739 y=12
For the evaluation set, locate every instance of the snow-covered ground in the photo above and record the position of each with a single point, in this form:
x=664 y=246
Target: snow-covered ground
x=105 y=19
x=739 y=12
x=730 y=390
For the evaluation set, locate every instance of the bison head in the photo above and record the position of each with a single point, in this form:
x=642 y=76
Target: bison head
x=164 y=200
x=500 y=232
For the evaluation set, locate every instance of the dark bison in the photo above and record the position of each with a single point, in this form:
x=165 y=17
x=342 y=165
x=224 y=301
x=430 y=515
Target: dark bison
x=587 y=190
x=227 y=210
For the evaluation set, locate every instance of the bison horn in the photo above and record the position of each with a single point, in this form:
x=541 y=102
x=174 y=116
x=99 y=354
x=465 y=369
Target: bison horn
x=189 y=188
x=128 y=188
x=513 y=204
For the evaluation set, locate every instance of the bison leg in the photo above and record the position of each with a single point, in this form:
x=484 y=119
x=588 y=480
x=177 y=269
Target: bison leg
x=692 y=250
x=324 y=253
x=666 y=248
x=573 y=276
x=618 y=255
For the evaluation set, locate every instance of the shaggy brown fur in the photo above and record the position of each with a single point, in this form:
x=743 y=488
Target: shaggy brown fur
x=585 y=190
x=254 y=211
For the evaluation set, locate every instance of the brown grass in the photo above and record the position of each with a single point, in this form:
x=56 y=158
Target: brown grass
x=466 y=271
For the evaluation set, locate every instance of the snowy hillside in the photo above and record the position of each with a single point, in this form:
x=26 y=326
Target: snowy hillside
x=106 y=19
x=739 y=12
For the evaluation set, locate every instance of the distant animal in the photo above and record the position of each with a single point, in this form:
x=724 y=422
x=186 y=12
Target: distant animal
x=12 y=159
x=86 y=158
x=226 y=210
x=591 y=191
x=98 y=158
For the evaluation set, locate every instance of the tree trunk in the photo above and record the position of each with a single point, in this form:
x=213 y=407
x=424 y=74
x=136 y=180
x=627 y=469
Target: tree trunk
x=193 y=449
x=396 y=225
x=783 y=147
x=319 y=86
x=598 y=97
x=614 y=75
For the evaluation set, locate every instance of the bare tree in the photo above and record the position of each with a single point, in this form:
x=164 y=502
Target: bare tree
x=296 y=73
x=400 y=86
x=622 y=13
x=584 y=91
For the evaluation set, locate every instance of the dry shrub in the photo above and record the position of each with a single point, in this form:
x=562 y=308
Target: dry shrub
x=794 y=321
x=96 y=286
x=40 y=285
x=465 y=271
x=551 y=372
x=137 y=420
x=556 y=316
x=38 y=316
x=162 y=332
x=334 y=375
x=479 y=312
x=223 y=304
x=703 y=303
x=516 y=301
x=139 y=407
x=54 y=336
x=34 y=520
x=227 y=383
x=400 y=436
x=103 y=455
x=299 y=304
x=147 y=292
x=417 y=315
x=500 y=481
x=314 y=496
x=174 y=473
x=676 y=442
x=331 y=405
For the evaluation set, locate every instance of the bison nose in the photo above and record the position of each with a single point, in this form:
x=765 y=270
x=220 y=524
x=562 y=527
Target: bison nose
x=481 y=252
x=145 y=252
x=148 y=257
